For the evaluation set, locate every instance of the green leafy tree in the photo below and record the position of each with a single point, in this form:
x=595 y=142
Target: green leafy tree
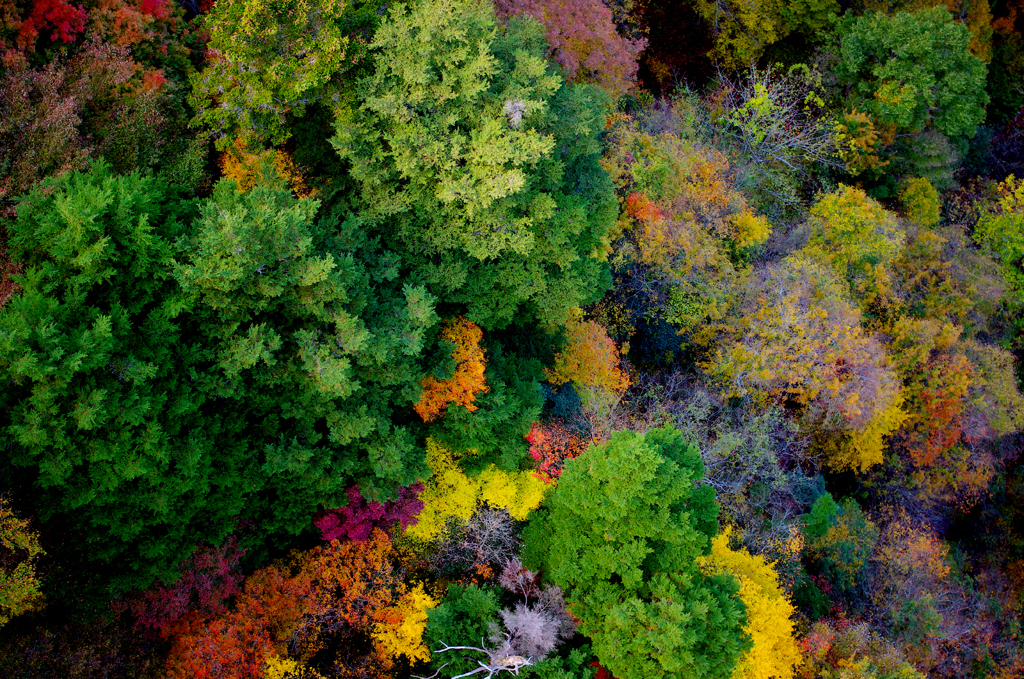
x=175 y=367
x=621 y=534
x=912 y=70
x=478 y=163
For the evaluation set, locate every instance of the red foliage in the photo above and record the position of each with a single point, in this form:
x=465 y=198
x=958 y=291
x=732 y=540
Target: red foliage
x=207 y=579
x=583 y=40
x=155 y=8
x=358 y=519
x=66 y=22
x=602 y=673
x=237 y=645
x=551 y=445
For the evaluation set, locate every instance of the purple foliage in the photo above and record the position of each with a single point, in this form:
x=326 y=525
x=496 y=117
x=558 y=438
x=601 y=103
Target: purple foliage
x=358 y=519
x=206 y=580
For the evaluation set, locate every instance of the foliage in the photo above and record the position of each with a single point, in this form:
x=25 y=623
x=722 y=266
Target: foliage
x=468 y=379
x=205 y=582
x=19 y=554
x=590 y=361
x=743 y=30
x=254 y=307
x=1002 y=231
x=775 y=652
x=450 y=493
x=776 y=130
x=401 y=630
x=621 y=534
x=452 y=145
x=920 y=202
x=839 y=648
x=912 y=70
x=796 y=339
x=268 y=59
x=357 y=519
x=860 y=239
x=840 y=540
x=583 y=40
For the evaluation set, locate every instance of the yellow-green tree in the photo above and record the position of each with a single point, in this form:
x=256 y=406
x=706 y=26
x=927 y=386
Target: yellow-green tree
x=19 y=551
x=860 y=239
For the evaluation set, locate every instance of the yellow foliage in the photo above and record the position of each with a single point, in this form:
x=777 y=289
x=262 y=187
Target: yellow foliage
x=859 y=238
x=468 y=380
x=247 y=168
x=401 y=631
x=750 y=229
x=864 y=446
x=450 y=493
x=775 y=653
x=286 y=668
x=858 y=142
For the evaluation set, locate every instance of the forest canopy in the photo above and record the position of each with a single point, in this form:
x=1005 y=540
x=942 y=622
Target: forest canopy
x=568 y=339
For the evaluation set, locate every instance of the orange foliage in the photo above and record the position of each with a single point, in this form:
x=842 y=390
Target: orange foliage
x=468 y=379
x=935 y=425
x=640 y=207
x=236 y=645
x=341 y=590
x=590 y=361
x=247 y=167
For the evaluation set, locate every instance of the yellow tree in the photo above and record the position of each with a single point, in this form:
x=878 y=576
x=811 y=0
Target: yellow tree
x=794 y=338
x=775 y=653
x=450 y=493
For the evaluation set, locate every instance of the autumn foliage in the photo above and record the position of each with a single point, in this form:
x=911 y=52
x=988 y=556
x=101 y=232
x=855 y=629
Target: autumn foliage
x=468 y=380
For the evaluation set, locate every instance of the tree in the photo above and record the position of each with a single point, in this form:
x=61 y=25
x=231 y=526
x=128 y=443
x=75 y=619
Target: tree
x=452 y=494
x=795 y=338
x=920 y=202
x=840 y=540
x=357 y=519
x=775 y=652
x=590 y=361
x=912 y=70
x=583 y=40
x=269 y=59
x=468 y=379
x=224 y=311
x=621 y=534
x=861 y=240
x=478 y=164
x=19 y=552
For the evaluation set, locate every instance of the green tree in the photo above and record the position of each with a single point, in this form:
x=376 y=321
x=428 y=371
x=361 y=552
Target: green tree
x=478 y=163
x=175 y=367
x=912 y=70
x=621 y=534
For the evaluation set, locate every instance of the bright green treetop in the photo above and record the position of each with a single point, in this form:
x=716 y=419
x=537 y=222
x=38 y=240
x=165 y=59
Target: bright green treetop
x=621 y=534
